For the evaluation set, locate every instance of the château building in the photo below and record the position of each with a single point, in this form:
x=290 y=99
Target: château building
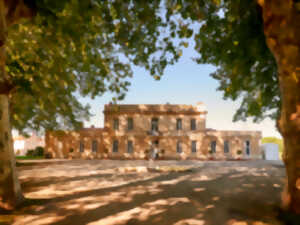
x=133 y=131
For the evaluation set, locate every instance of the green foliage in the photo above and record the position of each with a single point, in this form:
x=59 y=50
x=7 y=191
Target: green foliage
x=274 y=140
x=37 y=152
x=231 y=37
x=239 y=152
x=30 y=152
x=64 y=53
x=27 y=157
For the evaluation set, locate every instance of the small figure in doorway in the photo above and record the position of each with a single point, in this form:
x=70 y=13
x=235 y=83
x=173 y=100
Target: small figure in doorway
x=155 y=153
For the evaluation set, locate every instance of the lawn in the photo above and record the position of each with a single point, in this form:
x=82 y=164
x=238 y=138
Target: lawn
x=29 y=157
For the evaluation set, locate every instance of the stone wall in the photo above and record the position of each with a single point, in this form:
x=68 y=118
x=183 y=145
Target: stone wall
x=67 y=145
x=71 y=144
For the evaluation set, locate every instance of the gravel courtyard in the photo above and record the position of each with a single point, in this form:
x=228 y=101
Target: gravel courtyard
x=107 y=192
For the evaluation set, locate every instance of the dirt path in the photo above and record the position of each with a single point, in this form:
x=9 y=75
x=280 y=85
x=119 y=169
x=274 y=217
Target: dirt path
x=94 y=192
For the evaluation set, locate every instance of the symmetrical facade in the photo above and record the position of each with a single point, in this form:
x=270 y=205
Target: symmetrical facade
x=134 y=131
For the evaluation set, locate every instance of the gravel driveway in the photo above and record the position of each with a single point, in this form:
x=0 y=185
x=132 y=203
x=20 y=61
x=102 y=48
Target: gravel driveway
x=94 y=192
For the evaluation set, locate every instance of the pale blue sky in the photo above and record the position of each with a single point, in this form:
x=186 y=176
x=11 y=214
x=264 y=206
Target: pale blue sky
x=183 y=83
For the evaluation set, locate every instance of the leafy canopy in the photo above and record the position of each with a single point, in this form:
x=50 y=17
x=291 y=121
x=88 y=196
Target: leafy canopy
x=231 y=37
x=86 y=48
x=64 y=53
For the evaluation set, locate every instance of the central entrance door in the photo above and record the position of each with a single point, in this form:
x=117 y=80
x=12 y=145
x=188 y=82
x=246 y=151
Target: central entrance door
x=154 y=148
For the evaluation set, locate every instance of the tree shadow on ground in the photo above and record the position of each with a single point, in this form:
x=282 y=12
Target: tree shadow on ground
x=248 y=196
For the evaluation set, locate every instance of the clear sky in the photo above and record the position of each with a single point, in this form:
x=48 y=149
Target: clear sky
x=183 y=83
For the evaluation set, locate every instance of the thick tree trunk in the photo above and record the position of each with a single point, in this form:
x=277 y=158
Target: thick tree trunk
x=10 y=190
x=282 y=30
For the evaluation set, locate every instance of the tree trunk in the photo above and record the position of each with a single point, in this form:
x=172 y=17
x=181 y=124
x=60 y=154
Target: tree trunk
x=282 y=31
x=10 y=190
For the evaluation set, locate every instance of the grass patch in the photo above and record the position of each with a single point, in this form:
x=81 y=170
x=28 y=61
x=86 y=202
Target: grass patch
x=29 y=157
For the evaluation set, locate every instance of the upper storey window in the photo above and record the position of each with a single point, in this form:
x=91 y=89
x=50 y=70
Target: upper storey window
x=179 y=124
x=154 y=124
x=129 y=124
x=116 y=124
x=193 y=124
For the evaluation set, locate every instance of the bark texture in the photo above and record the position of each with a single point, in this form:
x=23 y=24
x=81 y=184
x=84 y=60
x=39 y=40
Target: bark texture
x=282 y=31
x=10 y=190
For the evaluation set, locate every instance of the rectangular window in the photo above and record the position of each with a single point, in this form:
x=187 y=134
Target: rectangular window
x=247 y=146
x=129 y=124
x=213 y=146
x=130 y=147
x=115 y=146
x=154 y=124
x=179 y=124
x=178 y=147
x=116 y=124
x=194 y=146
x=226 y=146
x=94 y=146
x=81 y=146
x=193 y=124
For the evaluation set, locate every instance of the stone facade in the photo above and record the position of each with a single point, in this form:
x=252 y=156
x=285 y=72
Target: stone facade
x=134 y=131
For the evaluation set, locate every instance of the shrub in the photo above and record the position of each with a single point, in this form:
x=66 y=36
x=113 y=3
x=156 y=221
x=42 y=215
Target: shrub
x=30 y=152
x=39 y=151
